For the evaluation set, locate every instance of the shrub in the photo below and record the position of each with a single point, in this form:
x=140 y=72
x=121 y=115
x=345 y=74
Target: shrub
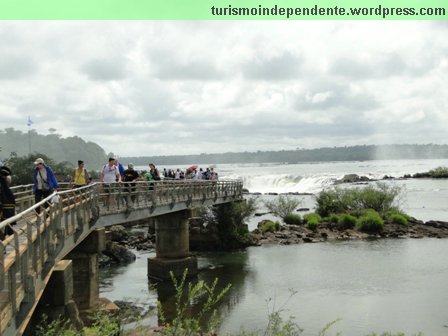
x=397 y=217
x=312 y=220
x=371 y=223
x=269 y=226
x=333 y=201
x=103 y=324
x=57 y=327
x=380 y=197
x=363 y=212
x=230 y=219
x=333 y=218
x=282 y=206
x=346 y=221
x=294 y=219
x=439 y=172
x=312 y=225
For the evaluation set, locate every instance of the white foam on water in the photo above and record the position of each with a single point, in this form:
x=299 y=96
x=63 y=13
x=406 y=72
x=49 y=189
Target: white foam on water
x=285 y=183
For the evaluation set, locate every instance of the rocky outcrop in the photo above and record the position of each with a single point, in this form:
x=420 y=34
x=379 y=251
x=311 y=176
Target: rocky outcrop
x=118 y=253
x=353 y=178
x=120 y=241
x=297 y=234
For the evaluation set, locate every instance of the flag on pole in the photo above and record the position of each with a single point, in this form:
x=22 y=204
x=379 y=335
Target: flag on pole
x=29 y=122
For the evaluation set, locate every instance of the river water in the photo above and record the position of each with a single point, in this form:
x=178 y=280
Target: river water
x=382 y=285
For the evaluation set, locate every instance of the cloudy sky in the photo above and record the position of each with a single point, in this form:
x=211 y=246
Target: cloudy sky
x=159 y=87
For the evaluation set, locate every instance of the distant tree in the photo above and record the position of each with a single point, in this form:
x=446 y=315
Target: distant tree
x=69 y=149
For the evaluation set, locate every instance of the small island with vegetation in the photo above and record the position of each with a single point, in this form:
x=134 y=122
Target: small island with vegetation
x=345 y=213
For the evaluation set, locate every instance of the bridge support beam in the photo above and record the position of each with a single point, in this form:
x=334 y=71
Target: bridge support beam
x=172 y=247
x=86 y=275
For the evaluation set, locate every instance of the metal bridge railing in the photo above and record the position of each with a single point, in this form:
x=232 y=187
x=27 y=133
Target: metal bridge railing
x=127 y=196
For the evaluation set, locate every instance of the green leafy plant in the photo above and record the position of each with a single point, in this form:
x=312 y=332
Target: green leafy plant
x=103 y=324
x=333 y=218
x=184 y=323
x=346 y=221
x=363 y=212
x=57 y=327
x=282 y=206
x=294 y=219
x=397 y=217
x=312 y=220
x=269 y=226
x=371 y=223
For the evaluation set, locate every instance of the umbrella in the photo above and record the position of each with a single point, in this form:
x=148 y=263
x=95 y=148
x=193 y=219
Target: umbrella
x=190 y=169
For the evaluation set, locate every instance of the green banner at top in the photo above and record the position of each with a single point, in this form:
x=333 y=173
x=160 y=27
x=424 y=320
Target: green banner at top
x=223 y=10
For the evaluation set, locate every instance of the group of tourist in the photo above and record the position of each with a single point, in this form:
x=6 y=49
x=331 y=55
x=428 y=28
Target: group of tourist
x=115 y=172
x=191 y=173
x=45 y=182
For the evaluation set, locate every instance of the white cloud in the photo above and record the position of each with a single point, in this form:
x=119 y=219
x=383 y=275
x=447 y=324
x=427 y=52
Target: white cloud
x=173 y=87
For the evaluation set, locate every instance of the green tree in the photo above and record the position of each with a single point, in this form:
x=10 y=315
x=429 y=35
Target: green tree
x=230 y=221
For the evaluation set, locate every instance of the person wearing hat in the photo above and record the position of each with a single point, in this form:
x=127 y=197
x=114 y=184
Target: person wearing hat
x=80 y=176
x=130 y=175
x=44 y=180
x=7 y=200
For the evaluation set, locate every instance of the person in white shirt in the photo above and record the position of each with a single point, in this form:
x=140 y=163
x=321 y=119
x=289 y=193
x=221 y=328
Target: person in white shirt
x=199 y=174
x=109 y=176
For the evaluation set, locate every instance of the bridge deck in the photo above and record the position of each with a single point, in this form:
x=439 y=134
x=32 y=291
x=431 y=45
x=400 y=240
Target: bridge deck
x=45 y=232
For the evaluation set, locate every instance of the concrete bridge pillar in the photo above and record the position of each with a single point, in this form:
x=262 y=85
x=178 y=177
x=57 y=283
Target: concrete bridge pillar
x=86 y=275
x=57 y=299
x=172 y=247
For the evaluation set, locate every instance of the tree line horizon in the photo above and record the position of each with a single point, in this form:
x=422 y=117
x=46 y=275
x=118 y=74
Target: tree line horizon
x=71 y=149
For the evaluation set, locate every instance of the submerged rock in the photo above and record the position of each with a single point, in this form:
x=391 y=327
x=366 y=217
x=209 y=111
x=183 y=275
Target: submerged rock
x=118 y=253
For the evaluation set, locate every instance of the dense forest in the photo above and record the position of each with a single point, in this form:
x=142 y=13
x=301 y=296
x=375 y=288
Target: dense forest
x=53 y=145
x=73 y=148
x=352 y=153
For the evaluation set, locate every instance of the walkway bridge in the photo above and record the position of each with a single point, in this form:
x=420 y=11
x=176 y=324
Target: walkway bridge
x=47 y=234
